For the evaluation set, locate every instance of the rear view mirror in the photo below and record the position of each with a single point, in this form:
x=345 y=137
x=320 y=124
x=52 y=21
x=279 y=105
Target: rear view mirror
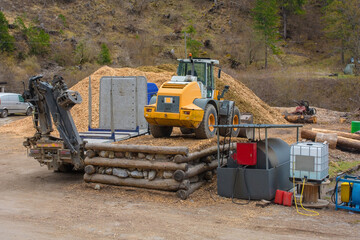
x=219 y=73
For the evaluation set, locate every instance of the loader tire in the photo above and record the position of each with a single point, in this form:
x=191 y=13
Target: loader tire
x=160 y=131
x=233 y=119
x=206 y=129
x=186 y=130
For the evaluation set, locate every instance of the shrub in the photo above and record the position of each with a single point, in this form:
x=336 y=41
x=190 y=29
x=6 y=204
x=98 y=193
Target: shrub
x=63 y=54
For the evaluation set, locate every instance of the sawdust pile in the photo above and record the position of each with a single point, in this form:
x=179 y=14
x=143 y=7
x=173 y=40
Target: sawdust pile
x=179 y=140
x=245 y=99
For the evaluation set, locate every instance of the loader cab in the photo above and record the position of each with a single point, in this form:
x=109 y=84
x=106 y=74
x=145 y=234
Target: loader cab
x=203 y=69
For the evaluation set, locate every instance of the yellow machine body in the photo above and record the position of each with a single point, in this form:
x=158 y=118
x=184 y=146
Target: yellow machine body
x=189 y=115
x=345 y=192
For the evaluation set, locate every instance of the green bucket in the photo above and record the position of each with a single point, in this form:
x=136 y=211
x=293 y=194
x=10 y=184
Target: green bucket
x=355 y=126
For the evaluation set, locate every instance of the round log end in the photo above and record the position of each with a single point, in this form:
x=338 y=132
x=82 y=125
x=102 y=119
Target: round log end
x=182 y=194
x=179 y=158
x=90 y=153
x=179 y=175
x=90 y=169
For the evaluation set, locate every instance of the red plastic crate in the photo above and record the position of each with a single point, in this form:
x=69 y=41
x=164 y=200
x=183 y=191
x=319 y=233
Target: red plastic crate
x=279 y=196
x=246 y=154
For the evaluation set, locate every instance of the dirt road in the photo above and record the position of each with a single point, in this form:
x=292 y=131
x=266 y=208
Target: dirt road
x=38 y=204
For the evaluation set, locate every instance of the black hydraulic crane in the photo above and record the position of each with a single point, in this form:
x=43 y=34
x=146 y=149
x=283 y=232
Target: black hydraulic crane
x=52 y=104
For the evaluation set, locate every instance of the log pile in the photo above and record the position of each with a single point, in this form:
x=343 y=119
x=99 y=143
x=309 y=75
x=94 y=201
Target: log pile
x=343 y=140
x=152 y=167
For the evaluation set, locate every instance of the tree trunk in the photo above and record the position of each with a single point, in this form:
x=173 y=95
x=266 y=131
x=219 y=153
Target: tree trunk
x=342 y=52
x=266 y=56
x=133 y=163
x=285 y=23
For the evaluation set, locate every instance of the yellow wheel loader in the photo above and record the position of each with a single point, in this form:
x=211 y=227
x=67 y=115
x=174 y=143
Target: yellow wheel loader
x=190 y=101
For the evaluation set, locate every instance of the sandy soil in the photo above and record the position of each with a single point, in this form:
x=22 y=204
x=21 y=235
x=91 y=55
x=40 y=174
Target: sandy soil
x=38 y=204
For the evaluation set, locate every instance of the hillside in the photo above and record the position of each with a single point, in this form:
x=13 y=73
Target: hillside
x=149 y=32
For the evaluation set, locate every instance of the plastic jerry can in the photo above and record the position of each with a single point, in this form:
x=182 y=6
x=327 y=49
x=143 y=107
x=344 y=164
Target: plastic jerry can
x=279 y=195
x=345 y=192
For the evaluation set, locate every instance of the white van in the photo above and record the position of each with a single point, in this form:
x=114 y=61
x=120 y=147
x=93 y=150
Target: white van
x=11 y=103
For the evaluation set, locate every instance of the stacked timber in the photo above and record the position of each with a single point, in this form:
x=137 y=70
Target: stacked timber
x=152 y=167
x=343 y=140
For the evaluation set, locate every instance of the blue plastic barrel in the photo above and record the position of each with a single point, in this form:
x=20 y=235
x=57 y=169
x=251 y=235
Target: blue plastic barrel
x=152 y=90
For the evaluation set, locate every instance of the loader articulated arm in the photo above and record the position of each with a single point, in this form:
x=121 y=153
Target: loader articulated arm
x=55 y=101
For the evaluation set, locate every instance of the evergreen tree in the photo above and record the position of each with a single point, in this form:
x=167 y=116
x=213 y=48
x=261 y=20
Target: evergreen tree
x=266 y=23
x=38 y=41
x=191 y=43
x=342 y=19
x=289 y=7
x=104 y=56
x=6 y=40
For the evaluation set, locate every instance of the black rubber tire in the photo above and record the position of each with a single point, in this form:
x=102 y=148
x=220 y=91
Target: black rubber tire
x=186 y=130
x=160 y=131
x=4 y=113
x=29 y=111
x=229 y=120
x=203 y=131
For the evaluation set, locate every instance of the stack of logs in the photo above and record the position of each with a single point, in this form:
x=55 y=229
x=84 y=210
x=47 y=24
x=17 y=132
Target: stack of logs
x=339 y=139
x=152 y=167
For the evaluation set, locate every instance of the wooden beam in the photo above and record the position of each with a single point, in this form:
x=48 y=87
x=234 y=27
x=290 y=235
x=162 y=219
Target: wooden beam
x=135 y=163
x=138 y=148
x=159 y=184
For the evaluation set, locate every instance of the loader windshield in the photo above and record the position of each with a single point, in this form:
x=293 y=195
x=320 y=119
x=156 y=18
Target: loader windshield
x=199 y=70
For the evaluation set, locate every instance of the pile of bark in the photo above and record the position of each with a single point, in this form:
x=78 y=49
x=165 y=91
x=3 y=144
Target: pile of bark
x=152 y=167
x=343 y=140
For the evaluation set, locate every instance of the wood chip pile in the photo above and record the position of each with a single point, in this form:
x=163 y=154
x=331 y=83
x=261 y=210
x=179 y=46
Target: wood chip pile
x=245 y=99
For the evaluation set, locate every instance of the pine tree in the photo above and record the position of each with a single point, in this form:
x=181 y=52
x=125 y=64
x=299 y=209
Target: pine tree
x=104 y=56
x=289 y=7
x=6 y=40
x=191 y=43
x=342 y=19
x=266 y=23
